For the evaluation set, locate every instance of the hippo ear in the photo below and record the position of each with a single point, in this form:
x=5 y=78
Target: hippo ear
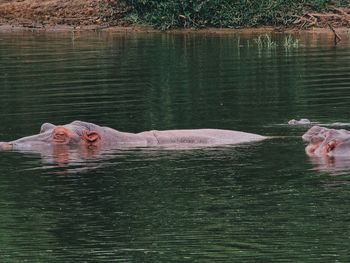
x=46 y=126
x=91 y=137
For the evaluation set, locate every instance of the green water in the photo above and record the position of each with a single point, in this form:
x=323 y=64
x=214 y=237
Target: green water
x=259 y=202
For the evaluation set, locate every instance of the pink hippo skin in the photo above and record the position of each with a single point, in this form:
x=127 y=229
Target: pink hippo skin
x=92 y=136
x=327 y=142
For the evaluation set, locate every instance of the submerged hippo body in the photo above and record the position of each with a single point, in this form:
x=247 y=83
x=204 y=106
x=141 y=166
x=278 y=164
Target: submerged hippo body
x=327 y=142
x=84 y=134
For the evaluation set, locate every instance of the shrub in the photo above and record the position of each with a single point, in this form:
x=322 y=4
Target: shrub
x=167 y=14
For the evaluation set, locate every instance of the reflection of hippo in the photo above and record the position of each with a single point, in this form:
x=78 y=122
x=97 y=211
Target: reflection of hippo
x=327 y=142
x=89 y=135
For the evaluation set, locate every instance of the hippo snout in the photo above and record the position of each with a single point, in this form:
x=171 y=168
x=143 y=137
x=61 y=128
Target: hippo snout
x=5 y=146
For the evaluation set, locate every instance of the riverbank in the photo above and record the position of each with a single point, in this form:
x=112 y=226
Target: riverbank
x=59 y=14
x=114 y=16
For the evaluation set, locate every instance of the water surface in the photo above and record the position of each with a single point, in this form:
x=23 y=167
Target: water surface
x=265 y=201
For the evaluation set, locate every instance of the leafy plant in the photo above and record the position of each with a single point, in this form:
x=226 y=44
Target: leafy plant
x=167 y=14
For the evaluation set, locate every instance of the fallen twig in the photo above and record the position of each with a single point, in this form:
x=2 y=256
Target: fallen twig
x=337 y=38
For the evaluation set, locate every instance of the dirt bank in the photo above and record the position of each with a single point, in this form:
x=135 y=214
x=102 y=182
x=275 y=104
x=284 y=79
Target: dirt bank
x=58 y=15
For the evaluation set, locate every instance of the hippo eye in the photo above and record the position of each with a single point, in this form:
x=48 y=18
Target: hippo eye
x=46 y=127
x=316 y=139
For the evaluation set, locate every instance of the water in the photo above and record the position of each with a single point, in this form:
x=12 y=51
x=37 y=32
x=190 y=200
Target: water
x=265 y=202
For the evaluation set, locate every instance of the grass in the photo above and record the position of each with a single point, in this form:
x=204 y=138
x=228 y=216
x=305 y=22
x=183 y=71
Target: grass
x=166 y=14
x=290 y=42
x=265 y=41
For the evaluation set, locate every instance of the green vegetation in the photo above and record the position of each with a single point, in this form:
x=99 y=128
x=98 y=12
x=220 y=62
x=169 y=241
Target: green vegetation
x=265 y=41
x=166 y=14
x=289 y=42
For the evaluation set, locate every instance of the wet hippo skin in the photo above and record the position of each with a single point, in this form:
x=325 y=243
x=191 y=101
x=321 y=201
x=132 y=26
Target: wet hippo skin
x=84 y=134
x=299 y=122
x=327 y=142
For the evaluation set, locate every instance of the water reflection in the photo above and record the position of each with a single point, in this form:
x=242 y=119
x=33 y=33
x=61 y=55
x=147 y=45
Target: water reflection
x=331 y=165
x=69 y=160
x=61 y=160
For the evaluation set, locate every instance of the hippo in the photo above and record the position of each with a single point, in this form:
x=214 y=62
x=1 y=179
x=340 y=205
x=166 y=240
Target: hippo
x=92 y=136
x=299 y=122
x=327 y=142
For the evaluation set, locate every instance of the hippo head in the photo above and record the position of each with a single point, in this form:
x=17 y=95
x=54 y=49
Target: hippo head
x=299 y=122
x=76 y=133
x=327 y=142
